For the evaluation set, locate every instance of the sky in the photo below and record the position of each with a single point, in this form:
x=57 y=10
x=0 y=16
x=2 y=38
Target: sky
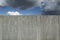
x=12 y=11
x=24 y=7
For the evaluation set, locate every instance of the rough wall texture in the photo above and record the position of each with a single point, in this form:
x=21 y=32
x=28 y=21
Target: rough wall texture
x=29 y=28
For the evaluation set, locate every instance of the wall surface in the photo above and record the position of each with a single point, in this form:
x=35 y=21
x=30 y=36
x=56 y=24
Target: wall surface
x=29 y=27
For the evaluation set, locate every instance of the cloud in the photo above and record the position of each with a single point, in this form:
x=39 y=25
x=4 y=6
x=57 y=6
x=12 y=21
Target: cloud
x=13 y=13
x=21 y=4
x=25 y=4
x=3 y=3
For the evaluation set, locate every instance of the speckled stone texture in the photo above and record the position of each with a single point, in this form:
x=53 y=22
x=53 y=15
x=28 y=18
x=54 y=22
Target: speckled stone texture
x=29 y=27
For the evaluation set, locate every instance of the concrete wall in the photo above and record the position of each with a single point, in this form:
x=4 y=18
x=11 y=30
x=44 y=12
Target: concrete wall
x=29 y=27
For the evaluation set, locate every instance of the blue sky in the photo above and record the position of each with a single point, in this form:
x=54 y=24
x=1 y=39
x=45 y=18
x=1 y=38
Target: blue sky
x=33 y=11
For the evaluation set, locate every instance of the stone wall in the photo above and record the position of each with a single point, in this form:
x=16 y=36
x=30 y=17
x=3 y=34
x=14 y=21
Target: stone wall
x=29 y=27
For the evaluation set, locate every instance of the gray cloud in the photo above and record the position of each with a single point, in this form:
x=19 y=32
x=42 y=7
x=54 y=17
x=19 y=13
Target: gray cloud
x=3 y=3
x=22 y=4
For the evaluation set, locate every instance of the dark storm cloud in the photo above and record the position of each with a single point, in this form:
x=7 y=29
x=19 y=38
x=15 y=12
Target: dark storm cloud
x=22 y=4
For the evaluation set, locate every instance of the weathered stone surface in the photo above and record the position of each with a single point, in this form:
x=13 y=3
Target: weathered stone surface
x=29 y=27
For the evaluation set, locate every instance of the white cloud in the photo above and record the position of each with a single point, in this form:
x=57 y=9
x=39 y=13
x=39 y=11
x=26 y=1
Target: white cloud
x=3 y=3
x=14 y=13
